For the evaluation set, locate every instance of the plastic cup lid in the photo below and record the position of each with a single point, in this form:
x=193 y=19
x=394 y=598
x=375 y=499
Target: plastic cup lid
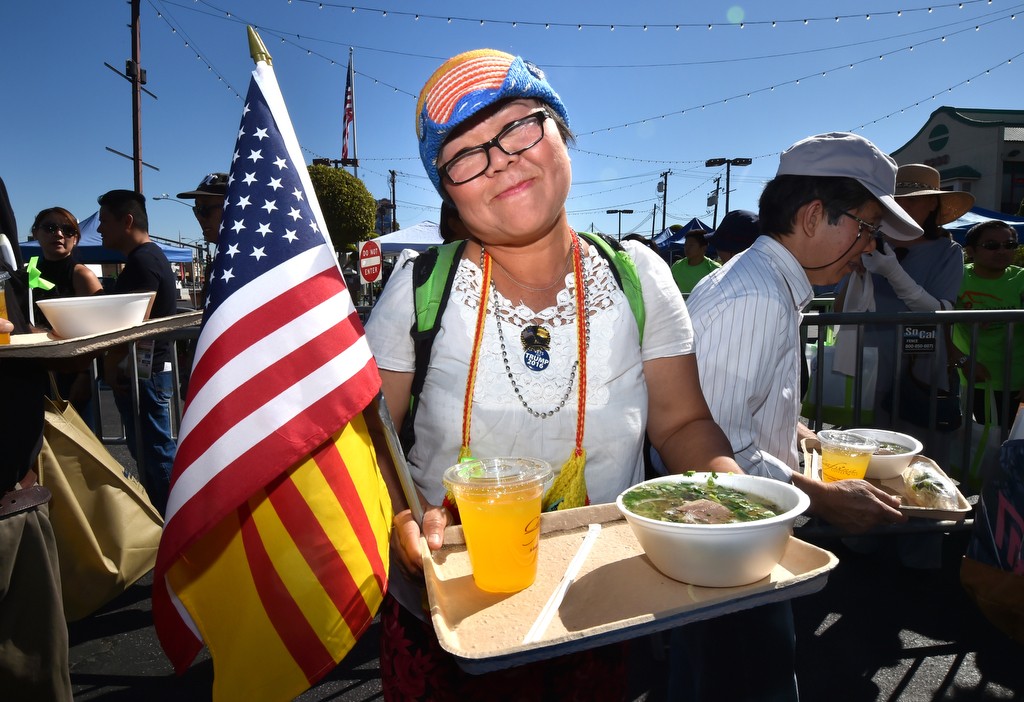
x=502 y=474
x=847 y=439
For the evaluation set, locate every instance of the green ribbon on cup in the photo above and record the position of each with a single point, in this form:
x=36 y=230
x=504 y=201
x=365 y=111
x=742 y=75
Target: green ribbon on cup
x=35 y=278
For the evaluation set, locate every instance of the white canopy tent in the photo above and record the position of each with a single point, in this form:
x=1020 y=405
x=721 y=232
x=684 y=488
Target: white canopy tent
x=418 y=237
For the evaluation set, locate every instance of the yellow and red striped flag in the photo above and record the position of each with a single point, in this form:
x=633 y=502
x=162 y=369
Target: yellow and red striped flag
x=275 y=548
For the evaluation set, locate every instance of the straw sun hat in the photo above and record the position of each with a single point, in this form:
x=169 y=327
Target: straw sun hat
x=919 y=180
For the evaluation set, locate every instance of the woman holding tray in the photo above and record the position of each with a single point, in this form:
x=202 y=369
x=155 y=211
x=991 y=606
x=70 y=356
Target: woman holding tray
x=57 y=232
x=539 y=352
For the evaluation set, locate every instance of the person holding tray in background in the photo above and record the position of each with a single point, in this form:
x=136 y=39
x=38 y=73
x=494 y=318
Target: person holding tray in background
x=57 y=232
x=539 y=353
x=831 y=196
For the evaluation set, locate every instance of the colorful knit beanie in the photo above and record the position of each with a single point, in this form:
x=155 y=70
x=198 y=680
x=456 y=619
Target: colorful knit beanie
x=466 y=84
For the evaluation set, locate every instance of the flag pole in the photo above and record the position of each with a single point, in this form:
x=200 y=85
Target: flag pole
x=355 y=141
x=398 y=458
x=258 y=51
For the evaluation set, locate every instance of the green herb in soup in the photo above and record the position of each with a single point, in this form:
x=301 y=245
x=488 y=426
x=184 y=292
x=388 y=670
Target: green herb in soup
x=697 y=503
x=890 y=448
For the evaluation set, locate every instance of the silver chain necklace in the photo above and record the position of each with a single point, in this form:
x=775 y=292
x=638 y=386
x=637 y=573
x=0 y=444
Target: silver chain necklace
x=504 y=351
x=558 y=278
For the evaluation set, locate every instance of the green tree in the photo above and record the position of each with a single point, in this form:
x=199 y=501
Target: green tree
x=349 y=208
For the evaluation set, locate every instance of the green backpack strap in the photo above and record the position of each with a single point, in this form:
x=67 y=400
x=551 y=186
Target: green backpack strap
x=432 y=276
x=433 y=273
x=625 y=272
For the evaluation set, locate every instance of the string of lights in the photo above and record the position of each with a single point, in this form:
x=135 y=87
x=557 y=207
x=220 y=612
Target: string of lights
x=300 y=41
x=736 y=18
x=286 y=37
x=796 y=81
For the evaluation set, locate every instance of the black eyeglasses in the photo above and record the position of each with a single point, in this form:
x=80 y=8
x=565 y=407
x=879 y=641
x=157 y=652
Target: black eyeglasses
x=203 y=210
x=874 y=230
x=514 y=138
x=996 y=245
x=51 y=228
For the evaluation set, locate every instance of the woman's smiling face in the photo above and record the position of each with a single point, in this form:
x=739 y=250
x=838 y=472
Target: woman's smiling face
x=517 y=196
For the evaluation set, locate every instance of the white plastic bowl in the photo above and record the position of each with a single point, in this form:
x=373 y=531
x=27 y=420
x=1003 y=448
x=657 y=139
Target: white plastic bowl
x=720 y=555
x=883 y=467
x=84 y=316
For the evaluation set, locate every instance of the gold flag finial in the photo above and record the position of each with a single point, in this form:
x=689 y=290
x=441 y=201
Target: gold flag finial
x=257 y=49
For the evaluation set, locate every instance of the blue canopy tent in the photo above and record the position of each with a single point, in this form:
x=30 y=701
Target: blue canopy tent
x=958 y=227
x=90 y=247
x=670 y=241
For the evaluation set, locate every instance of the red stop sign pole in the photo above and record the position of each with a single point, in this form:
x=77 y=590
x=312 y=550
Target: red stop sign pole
x=369 y=262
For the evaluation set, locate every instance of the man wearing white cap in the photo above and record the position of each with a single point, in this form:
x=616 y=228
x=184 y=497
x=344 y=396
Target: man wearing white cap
x=831 y=197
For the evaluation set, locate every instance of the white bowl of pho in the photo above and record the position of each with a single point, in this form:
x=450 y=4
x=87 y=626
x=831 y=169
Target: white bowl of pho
x=713 y=529
x=895 y=452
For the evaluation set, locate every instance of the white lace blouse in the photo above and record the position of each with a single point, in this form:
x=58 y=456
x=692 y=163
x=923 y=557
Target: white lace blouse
x=616 y=409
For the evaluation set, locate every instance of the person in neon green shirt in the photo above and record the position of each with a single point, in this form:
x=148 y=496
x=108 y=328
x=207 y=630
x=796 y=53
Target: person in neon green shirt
x=991 y=283
x=688 y=271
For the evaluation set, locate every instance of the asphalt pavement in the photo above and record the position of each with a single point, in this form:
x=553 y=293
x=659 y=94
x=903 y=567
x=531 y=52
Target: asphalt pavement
x=878 y=630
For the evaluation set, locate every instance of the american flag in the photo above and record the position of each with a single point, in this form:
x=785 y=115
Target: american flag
x=275 y=546
x=350 y=110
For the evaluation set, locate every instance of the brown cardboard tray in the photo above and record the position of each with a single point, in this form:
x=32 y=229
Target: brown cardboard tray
x=893 y=486
x=617 y=595
x=48 y=345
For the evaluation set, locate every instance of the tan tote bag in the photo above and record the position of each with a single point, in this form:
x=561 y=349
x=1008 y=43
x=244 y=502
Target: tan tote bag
x=107 y=530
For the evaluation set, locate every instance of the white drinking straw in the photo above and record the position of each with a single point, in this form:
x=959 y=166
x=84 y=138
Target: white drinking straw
x=555 y=601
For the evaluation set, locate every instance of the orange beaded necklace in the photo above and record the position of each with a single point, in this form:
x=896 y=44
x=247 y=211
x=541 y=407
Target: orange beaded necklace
x=569 y=488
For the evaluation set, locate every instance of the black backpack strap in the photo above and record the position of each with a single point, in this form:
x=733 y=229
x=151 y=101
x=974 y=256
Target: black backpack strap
x=430 y=298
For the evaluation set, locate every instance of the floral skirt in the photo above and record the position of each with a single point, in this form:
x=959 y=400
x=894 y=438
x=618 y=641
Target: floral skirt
x=415 y=667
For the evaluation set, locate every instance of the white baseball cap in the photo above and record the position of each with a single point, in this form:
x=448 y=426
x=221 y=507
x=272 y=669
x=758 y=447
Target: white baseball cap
x=845 y=155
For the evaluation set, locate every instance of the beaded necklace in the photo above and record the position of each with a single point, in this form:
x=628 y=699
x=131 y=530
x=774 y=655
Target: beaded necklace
x=569 y=488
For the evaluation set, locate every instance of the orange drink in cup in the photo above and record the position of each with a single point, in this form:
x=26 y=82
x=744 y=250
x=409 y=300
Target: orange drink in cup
x=499 y=501
x=844 y=455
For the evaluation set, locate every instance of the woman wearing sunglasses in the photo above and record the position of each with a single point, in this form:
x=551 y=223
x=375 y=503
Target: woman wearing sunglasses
x=57 y=232
x=922 y=275
x=991 y=282
x=538 y=355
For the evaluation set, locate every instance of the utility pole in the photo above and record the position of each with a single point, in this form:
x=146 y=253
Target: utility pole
x=714 y=197
x=663 y=187
x=137 y=75
x=654 y=217
x=394 y=204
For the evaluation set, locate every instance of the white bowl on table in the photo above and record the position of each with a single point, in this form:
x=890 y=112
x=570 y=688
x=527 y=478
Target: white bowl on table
x=720 y=555
x=72 y=317
x=885 y=466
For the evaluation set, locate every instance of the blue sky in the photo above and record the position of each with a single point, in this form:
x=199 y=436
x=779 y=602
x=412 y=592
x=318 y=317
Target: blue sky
x=726 y=83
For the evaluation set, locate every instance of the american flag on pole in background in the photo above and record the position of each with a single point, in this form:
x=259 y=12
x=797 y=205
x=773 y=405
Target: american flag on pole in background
x=275 y=548
x=350 y=110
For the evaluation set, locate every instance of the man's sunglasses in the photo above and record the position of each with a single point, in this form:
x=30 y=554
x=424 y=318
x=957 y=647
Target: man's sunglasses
x=203 y=210
x=996 y=245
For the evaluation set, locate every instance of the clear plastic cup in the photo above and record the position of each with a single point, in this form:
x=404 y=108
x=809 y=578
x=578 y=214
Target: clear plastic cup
x=499 y=501
x=844 y=455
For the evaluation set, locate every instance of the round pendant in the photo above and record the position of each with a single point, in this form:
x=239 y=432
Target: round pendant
x=536 y=341
x=536 y=360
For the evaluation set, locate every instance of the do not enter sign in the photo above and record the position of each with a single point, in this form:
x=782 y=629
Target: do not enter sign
x=369 y=262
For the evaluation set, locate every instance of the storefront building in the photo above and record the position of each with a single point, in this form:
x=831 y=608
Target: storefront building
x=976 y=151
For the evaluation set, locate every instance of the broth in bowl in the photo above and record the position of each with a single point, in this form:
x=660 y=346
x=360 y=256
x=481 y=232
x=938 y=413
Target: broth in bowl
x=697 y=503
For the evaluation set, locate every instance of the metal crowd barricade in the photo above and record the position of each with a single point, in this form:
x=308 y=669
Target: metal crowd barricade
x=177 y=401
x=1011 y=320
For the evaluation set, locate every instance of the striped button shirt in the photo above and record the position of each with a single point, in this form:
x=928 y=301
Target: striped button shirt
x=746 y=324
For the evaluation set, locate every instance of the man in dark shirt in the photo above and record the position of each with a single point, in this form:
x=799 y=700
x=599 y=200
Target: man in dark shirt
x=124 y=226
